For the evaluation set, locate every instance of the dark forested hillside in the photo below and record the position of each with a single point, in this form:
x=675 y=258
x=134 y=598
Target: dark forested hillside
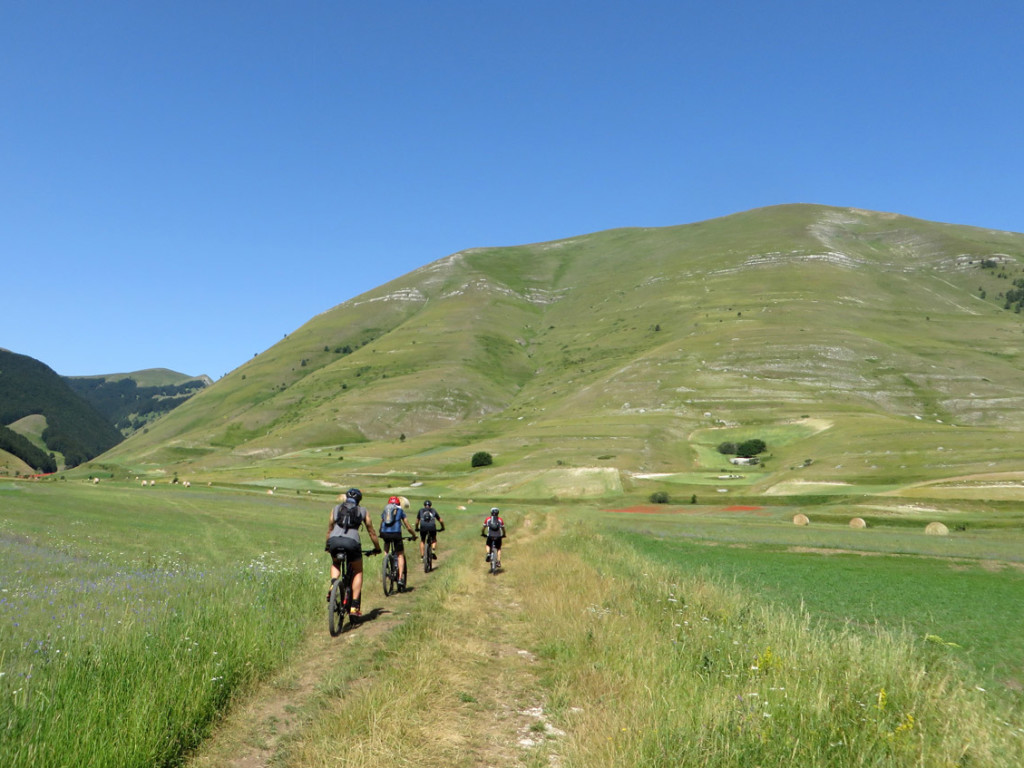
x=23 y=448
x=127 y=404
x=74 y=427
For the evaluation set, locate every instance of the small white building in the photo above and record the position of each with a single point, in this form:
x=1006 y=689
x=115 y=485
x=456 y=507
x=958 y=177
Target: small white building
x=744 y=461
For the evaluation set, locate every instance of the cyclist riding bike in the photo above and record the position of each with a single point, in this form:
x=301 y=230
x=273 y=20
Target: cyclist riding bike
x=392 y=518
x=343 y=536
x=494 y=531
x=426 y=523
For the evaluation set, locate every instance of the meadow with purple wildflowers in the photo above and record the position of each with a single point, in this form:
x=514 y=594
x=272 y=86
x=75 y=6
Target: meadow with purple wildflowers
x=130 y=618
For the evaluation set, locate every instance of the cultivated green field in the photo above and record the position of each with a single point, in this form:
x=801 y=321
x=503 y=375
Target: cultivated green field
x=136 y=626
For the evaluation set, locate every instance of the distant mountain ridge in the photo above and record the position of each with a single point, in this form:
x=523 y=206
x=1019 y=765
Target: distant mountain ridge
x=131 y=401
x=625 y=351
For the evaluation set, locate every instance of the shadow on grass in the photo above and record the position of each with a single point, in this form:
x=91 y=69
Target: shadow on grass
x=366 y=618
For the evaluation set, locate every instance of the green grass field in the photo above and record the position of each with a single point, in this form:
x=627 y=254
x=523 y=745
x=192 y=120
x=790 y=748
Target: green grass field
x=941 y=590
x=134 y=620
x=130 y=617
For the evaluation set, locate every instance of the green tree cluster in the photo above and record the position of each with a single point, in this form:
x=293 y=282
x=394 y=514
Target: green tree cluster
x=747 y=448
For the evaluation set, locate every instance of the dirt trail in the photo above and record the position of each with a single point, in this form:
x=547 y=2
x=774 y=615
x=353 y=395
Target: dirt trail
x=254 y=732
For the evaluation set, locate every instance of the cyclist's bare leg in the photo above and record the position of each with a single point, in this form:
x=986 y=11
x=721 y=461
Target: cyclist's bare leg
x=335 y=575
x=356 y=570
x=401 y=566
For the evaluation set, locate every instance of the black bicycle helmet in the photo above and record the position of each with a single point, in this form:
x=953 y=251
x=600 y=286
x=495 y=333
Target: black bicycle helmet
x=427 y=503
x=354 y=493
x=494 y=510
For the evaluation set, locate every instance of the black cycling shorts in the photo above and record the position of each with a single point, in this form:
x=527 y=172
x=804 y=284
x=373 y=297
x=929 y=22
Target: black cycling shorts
x=494 y=541
x=395 y=540
x=424 y=532
x=351 y=547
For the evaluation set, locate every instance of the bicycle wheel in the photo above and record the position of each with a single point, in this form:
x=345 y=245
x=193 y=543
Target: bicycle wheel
x=336 y=609
x=389 y=573
x=494 y=558
x=428 y=544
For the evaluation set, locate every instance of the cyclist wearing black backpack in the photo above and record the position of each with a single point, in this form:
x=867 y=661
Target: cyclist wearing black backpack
x=343 y=536
x=494 y=531
x=427 y=520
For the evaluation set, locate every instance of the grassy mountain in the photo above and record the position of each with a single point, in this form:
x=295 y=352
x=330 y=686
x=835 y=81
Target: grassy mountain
x=72 y=427
x=131 y=401
x=866 y=349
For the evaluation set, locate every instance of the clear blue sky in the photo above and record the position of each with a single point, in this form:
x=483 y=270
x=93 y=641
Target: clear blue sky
x=184 y=183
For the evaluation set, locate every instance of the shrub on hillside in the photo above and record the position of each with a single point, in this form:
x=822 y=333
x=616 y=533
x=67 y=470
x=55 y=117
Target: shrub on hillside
x=750 y=447
x=747 y=448
x=482 y=459
x=659 y=497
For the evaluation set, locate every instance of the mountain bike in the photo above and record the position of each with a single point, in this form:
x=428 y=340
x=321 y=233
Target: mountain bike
x=428 y=551
x=492 y=556
x=339 y=602
x=389 y=574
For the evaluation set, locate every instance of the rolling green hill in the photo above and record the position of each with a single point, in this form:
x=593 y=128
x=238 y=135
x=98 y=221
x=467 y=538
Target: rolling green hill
x=872 y=352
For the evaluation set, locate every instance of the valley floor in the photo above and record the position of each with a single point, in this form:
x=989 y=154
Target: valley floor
x=582 y=654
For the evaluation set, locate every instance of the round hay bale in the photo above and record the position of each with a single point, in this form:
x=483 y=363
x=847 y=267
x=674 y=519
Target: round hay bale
x=858 y=522
x=801 y=520
x=405 y=503
x=936 y=529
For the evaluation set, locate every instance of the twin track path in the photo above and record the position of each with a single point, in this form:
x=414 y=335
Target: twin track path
x=458 y=656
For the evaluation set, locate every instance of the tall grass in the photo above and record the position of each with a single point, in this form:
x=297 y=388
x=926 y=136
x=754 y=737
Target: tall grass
x=111 y=658
x=653 y=667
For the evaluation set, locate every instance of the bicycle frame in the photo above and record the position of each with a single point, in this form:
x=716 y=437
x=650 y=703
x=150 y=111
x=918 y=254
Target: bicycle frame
x=340 y=602
x=494 y=555
x=428 y=550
